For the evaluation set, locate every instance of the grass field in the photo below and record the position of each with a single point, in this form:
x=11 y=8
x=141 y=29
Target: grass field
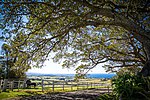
x=38 y=90
x=21 y=93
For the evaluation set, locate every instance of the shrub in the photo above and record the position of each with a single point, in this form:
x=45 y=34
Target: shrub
x=131 y=87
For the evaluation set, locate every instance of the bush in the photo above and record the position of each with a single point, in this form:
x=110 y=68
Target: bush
x=131 y=87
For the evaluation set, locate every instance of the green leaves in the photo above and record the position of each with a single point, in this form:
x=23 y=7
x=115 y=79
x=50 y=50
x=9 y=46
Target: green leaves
x=127 y=86
x=79 y=32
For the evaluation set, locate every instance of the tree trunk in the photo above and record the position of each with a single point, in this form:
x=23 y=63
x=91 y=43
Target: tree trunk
x=146 y=69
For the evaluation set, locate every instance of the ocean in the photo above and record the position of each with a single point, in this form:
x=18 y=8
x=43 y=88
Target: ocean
x=100 y=75
x=72 y=75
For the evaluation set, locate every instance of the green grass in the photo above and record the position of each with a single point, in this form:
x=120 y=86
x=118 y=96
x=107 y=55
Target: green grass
x=29 y=92
x=22 y=92
x=11 y=94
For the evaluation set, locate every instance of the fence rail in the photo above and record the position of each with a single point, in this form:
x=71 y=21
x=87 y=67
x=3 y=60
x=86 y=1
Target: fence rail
x=63 y=84
x=12 y=84
x=51 y=84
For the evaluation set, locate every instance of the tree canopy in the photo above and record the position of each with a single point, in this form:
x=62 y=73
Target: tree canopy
x=84 y=33
x=7 y=68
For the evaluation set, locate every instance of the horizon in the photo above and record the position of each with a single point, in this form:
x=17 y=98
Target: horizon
x=55 y=68
x=65 y=73
x=94 y=75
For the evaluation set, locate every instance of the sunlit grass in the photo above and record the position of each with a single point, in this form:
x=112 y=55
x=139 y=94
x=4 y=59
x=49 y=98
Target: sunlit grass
x=36 y=91
x=48 y=89
x=12 y=94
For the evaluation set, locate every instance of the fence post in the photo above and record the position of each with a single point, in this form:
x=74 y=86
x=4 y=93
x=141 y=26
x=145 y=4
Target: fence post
x=108 y=89
x=53 y=86
x=63 y=86
x=99 y=85
x=71 y=86
x=9 y=85
x=5 y=85
x=91 y=84
x=18 y=85
x=12 y=85
x=24 y=83
x=77 y=86
x=82 y=85
x=0 y=85
x=42 y=85
x=87 y=85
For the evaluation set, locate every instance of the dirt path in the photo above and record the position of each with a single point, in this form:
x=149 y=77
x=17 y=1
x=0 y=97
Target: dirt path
x=91 y=94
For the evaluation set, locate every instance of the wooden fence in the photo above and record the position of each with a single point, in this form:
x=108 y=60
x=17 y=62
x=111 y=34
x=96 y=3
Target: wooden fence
x=51 y=84
x=12 y=84
x=63 y=84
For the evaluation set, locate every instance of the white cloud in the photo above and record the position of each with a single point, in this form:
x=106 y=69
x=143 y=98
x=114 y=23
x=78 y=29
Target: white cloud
x=54 y=68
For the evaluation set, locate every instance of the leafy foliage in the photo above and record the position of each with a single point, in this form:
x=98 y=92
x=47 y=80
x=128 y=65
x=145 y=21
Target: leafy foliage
x=131 y=87
x=7 y=69
x=84 y=33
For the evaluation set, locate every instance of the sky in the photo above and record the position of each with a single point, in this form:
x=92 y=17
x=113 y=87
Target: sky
x=55 y=68
x=1 y=43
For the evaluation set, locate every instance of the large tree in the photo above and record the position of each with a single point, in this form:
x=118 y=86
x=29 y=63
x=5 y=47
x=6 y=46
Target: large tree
x=74 y=29
x=7 y=68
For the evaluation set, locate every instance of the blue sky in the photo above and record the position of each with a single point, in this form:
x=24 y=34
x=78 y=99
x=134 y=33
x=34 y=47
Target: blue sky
x=1 y=43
